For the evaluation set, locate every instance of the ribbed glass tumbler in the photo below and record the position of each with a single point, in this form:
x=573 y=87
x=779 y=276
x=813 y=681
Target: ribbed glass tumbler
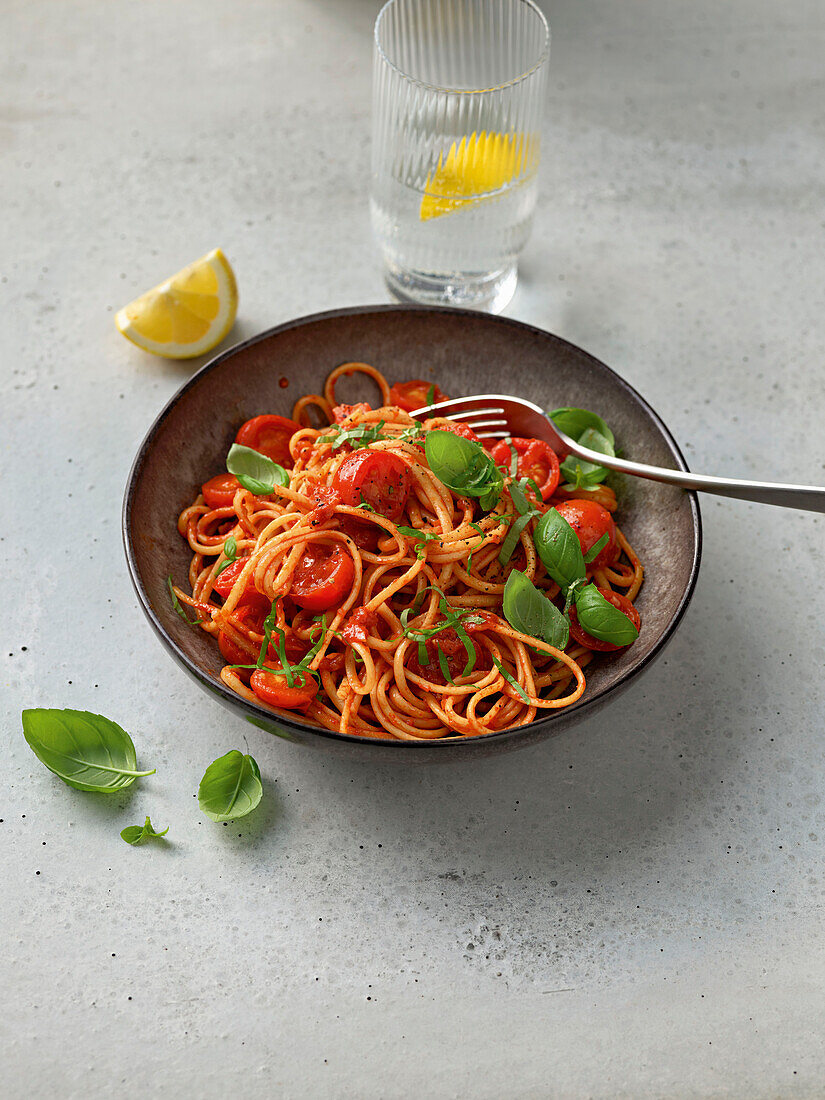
x=458 y=94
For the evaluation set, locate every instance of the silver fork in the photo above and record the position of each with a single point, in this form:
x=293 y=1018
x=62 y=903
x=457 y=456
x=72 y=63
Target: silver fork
x=495 y=416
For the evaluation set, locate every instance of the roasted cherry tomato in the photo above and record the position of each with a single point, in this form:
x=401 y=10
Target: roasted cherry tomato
x=219 y=492
x=590 y=522
x=379 y=478
x=623 y=604
x=536 y=459
x=247 y=615
x=322 y=578
x=415 y=394
x=223 y=586
x=340 y=413
x=364 y=534
x=273 y=688
x=270 y=435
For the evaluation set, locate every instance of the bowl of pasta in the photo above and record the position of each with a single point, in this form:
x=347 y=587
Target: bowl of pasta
x=344 y=571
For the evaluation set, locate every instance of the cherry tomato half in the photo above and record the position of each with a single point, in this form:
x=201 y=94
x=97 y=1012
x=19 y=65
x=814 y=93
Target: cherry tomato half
x=536 y=459
x=623 y=604
x=322 y=579
x=590 y=522
x=219 y=492
x=273 y=688
x=380 y=478
x=414 y=394
x=269 y=435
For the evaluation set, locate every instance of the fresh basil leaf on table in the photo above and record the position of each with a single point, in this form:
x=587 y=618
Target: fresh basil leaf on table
x=137 y=834
x=528 y=610
x=558 y=546
x=231 y=787
x=600 y=618
x=255 y=471
x=85 y=750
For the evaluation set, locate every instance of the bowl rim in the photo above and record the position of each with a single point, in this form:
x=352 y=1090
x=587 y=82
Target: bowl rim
x=263 y=715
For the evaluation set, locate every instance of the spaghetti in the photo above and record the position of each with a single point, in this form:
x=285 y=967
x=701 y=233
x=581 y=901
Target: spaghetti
x=367 y=596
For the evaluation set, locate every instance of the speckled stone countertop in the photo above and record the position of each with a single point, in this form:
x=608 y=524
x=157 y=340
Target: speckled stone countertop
x=633 y=909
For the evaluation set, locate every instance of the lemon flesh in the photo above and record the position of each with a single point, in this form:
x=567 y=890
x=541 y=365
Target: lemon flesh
x=186 y=315
x=472 y=168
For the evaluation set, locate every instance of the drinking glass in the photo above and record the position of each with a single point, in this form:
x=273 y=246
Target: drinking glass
x=458 y=93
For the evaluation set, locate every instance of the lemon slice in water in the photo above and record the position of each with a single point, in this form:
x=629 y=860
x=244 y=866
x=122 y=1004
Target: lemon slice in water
x=186 y=315
x=478 y=164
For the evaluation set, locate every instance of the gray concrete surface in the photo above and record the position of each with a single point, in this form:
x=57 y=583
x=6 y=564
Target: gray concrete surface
x=633 y=910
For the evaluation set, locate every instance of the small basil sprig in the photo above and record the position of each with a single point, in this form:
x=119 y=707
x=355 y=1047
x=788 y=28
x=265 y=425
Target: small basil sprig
x=591 y=431
x=231 y=787
x=255 y=471
x=230 y=552
x=601 y=619
x=136 y=834
x=530 y=611
x=87 y=751
x=526 y=513
x=464 y=467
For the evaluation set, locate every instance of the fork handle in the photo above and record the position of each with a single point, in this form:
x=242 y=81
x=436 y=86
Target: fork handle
x=811 y=498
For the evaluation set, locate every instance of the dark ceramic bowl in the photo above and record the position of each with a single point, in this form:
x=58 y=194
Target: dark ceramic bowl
x=467 y=353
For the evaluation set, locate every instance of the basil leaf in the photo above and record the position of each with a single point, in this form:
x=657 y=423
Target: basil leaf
x=464 y=467
x=596 y=549
x=510 y=680
x=430 y=395
x=255 y=471
x=558 y=546
x=601 y=619
x=531 y=612
x=87 y=751
x=136 y=834
x=231 y=787
x=230 y=552
x=574 y=422
x=513 y=536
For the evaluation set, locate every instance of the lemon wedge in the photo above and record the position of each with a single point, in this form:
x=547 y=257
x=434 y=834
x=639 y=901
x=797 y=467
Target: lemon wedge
x=478 y=164
x=186 y=315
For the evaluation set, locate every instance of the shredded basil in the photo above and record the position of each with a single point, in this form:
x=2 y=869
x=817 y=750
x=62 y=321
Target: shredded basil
x=362 y=435
x=510 y=680
x=178 y=606
x=596 y=549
